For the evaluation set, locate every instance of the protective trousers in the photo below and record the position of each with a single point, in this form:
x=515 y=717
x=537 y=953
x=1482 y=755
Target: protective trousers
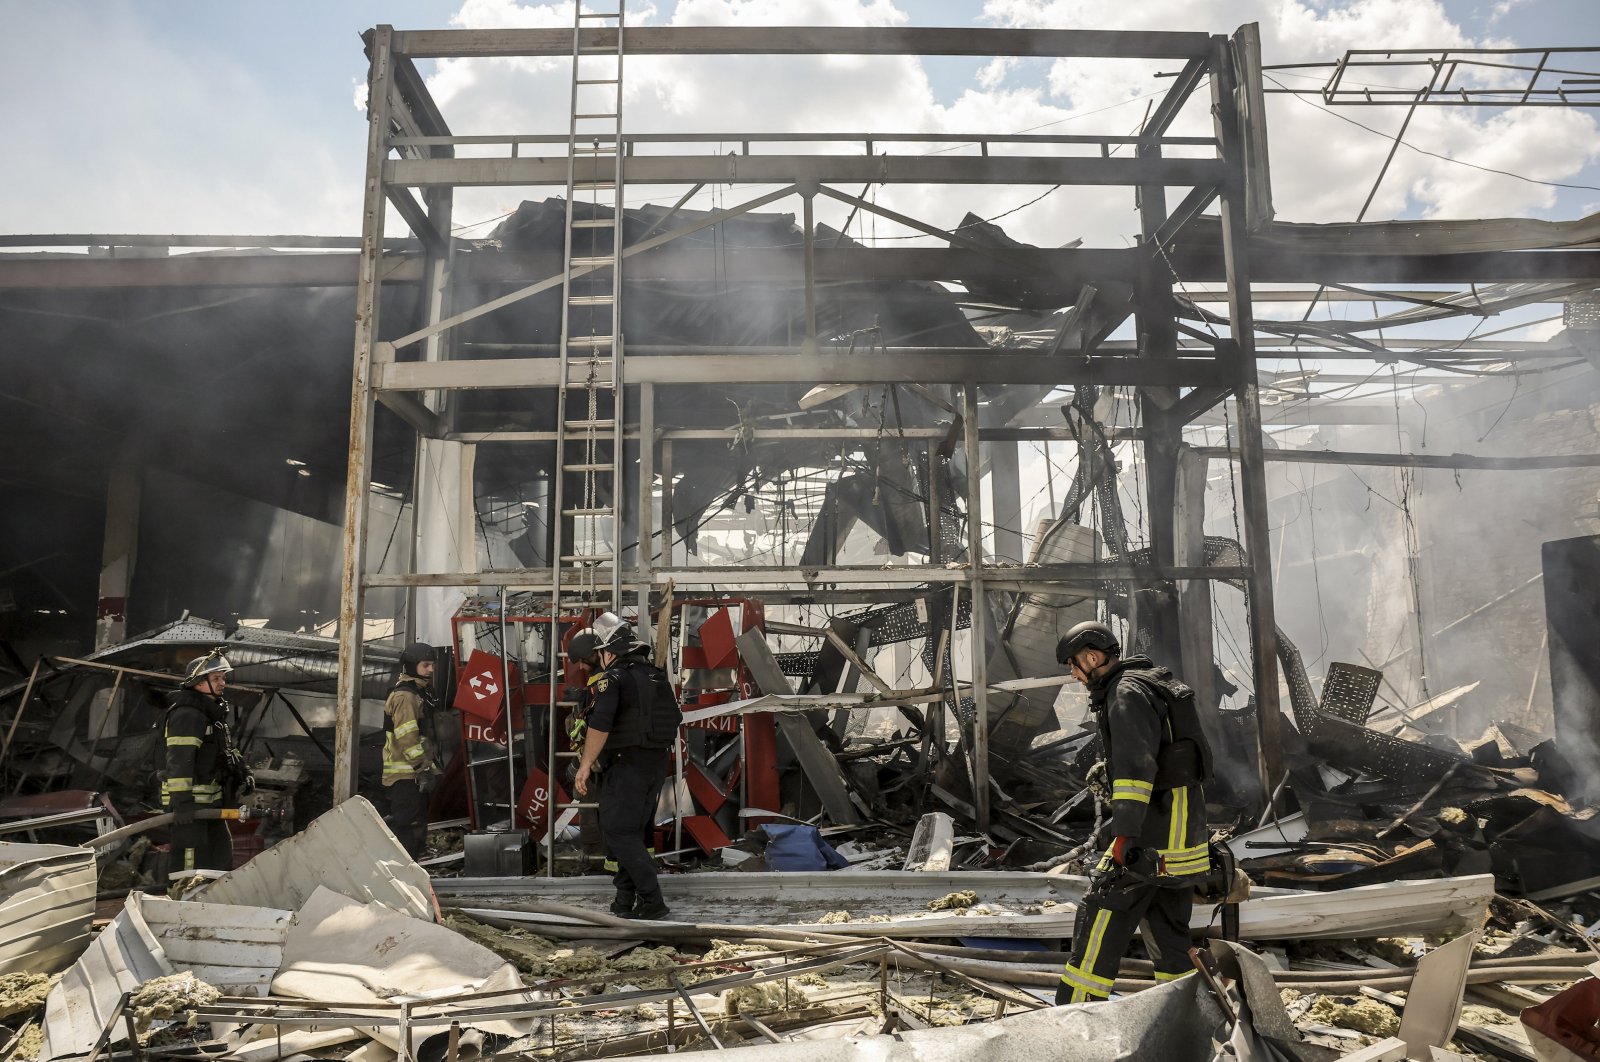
x=408 y=815
x=204 y=844
x=630 y=786
x=1107 y=919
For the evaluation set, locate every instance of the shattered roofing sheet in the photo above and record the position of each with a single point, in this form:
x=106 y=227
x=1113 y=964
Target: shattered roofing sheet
x=230 y=946
x=46 y=906
x=1175 y=1022
x=125 y=955
x=348 y=850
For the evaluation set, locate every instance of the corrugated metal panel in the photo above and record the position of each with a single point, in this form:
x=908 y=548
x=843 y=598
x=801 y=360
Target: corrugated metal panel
x=348 y=850
x=238 y=949
x=123 y=956
x=46 y=906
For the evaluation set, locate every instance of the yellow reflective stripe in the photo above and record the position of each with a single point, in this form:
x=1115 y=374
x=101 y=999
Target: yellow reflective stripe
x=191 y=741
x=408 y=727
x=177 y=785
x=1179 y=827
x=1162 y=978
x=1079 y=975
x=414 y=752
x=1133 y=796
x=1132 y=783
x=188 y=859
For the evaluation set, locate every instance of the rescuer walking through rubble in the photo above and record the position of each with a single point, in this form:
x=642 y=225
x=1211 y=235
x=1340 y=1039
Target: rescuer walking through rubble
x=203 y=767
x=633 y=723
x=409 y=769
x=1157 y=759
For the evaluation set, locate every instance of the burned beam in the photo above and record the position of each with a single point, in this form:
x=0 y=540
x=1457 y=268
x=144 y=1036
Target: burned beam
x=812 y=169
x=1451 y=461
x=834 y=367
x=1068 y=267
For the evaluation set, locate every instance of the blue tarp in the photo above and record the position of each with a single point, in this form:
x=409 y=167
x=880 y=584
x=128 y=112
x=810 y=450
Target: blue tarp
x=797 y=848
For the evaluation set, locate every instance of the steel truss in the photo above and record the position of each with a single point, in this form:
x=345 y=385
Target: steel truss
x=420 y=177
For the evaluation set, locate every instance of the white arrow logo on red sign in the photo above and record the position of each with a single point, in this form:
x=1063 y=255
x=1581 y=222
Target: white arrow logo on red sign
x=483 y=686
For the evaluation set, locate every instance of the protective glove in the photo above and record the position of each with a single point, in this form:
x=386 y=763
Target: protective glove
x=183 y=814
x=247 y=784
x=427 y=777
x=1122 y=852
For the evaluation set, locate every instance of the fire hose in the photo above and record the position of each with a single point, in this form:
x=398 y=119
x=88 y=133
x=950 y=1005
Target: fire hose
x=135 y=828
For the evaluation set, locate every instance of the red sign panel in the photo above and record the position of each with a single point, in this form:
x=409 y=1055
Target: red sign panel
x=480 y=691
x=533 y=806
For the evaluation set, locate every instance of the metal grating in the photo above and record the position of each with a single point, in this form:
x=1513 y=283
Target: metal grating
x=1348 y=692
x=1582 y=311
x=1349 y=745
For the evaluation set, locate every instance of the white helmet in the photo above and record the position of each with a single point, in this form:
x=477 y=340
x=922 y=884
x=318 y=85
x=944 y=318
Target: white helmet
x=201 y=666
x=614 y=632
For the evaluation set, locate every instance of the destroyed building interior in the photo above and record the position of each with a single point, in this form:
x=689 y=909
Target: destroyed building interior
x=850 y=489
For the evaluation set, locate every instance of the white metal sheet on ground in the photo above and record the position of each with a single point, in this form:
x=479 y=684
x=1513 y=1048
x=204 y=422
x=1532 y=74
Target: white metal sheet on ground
x=236 y=948
x=341 y=951
x=348 y=850
x=1016 y=903
x=46 y=906
x=1175 y=1022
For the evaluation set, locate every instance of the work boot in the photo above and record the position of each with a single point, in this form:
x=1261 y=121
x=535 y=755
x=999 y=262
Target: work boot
x=649 y=910
x=623 y=905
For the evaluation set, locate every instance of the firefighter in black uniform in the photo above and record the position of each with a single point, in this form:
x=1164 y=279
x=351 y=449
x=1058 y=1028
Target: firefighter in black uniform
x=409 y=765
x=631 y=727
x=1157 y=760
x=203 y=768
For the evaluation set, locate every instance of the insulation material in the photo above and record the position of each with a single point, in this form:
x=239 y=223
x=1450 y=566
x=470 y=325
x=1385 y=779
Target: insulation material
x=46 y=905
x=290 y=872
x=342 y=951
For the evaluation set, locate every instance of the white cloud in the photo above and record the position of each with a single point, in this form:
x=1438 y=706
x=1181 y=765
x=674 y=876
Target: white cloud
x=1323 y=167
x=112 y=129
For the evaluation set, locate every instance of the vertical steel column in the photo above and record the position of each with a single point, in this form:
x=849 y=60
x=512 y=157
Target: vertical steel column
x=809 y=345
x=1158 y=338
x=436 y=295
x=980 y=609
x=1252 y=465
x=352 y=590
x=118 y=552
x=644 y=522
x=1005 y=495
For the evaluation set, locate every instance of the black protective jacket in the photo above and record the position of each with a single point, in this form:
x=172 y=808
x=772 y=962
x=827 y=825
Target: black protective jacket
x=198 y=744
x=1156 y=760
x=635 y=705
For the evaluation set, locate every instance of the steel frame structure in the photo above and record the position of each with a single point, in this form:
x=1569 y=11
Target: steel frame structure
x=1178 y=383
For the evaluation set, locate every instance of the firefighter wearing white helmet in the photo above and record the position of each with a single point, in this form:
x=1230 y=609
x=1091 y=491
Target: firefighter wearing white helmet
x=203 y=767
x=633 y=723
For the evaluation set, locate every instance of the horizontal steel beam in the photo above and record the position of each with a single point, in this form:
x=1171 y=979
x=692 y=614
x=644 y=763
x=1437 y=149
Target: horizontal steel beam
x=1448 y=461
x=1062 y=267
x=986 y=367
x=821 y=169
x=806 y=40
x=754 y=576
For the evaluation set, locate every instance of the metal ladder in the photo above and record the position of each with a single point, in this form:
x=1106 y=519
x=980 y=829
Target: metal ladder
x=587 y=479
